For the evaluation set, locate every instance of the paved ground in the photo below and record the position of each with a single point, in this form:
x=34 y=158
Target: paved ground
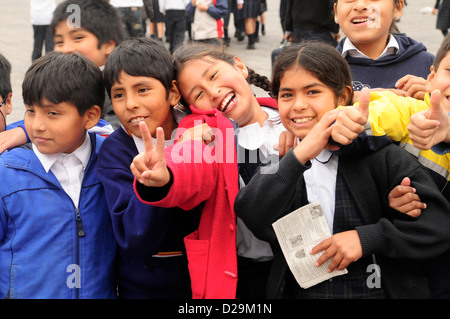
x=16 y=39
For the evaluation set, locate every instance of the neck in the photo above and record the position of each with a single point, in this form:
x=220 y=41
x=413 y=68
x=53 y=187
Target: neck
x=373 y=49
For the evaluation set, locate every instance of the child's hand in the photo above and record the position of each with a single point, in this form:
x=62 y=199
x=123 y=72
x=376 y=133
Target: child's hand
x=317 y=139
x=430 y=127
x=12 y=138
x=413 y=86
x=343 y=247
x=351 y=120
x=149 y=167
x=287 y=141
x=202 y=133
x=404 y=199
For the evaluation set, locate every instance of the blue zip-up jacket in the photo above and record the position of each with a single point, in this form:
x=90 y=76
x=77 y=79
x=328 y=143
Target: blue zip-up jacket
x=48 y=247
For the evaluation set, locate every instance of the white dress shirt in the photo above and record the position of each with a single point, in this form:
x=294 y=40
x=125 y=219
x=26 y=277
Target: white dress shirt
x=349 y=48
x=320 y=182
x=68 y=168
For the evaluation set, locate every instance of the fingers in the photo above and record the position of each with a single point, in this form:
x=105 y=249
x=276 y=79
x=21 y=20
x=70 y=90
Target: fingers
x=343 y=247
x=364 y=101
x=414 y=86
x=404 y=199
x=435 y=104
x=146 y=137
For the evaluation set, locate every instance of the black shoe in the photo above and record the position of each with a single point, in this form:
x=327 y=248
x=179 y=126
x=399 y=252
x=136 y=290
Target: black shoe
x=251 y=46
x=240 y=37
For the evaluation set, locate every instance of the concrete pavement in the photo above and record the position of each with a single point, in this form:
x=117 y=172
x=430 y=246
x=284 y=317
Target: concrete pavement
x=16 y=40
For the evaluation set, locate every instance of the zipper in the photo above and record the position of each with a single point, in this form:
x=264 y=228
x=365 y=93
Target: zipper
x=79 y=223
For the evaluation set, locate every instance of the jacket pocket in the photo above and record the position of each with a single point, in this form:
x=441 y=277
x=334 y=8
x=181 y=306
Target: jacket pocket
x=197 y=252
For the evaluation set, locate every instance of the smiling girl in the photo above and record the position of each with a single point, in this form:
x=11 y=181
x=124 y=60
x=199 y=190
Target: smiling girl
x=378 y=55
x=310 y=81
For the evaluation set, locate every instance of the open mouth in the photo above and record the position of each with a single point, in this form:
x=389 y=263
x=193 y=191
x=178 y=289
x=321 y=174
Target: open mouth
x=136 y=120
x=303 y=120
x=227 y=101
x=362 y=20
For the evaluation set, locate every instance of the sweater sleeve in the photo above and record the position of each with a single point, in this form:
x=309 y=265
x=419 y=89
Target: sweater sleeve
x=267 y=197
x=392 y=234
x=134 y=223
x=194 y=171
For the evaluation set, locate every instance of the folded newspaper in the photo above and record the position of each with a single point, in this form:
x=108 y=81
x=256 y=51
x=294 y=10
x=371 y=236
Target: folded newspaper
x=297 y=233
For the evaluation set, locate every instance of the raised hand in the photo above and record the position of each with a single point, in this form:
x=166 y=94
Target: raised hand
x=149 y=167
x=351 y=120
x=404 y=199
x=317 y=139
x=429 y=127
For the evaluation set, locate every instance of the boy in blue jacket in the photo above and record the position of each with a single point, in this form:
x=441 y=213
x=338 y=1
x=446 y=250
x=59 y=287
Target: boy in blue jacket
x=56 y=239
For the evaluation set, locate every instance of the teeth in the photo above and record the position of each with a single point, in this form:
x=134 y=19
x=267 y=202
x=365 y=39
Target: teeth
x=303 y=120
x=137 y=119
x=225 y=102
x=360 y=20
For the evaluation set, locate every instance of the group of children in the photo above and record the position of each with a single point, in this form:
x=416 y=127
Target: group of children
x=172 y=205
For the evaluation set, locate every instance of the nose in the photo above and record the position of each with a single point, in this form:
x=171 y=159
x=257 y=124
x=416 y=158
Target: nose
x=299 y=105
x=131 y=102
x=212 y=92
x=38 y=123
x=361 y=5
x=65 y=48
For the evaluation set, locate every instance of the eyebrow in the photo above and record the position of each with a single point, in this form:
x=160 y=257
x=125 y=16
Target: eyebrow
x=304 y=87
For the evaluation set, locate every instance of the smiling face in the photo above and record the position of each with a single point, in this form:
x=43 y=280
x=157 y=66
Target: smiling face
x=440 y=80
x=79 y=40
x=209 y=84
x=367 y=22
x=58 y=128
x=303 y=100
x=141 y=98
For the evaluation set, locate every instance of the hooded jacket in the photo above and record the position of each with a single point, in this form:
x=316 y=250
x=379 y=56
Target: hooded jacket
x=411 y=58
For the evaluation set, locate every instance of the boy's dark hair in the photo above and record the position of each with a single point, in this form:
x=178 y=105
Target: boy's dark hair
x=96 y=16
x=60 y=77
x=320 y=59
x=185 y=53
x=5 y=77
x=442 y=52
x=139 y=57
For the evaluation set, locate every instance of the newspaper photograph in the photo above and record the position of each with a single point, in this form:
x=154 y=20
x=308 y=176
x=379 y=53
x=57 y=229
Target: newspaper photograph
x=297 y=233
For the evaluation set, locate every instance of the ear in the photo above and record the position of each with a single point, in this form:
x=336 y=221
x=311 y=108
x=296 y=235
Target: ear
x=174 y=94
x=8 y=104
x=335 y=13
x=398 y=10
x=344 y=98
x=429 y=85
x=108 y=47
x=241 y=66
x=92 y=116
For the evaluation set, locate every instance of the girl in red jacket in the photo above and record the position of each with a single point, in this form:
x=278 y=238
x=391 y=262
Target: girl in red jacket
x=216 y=85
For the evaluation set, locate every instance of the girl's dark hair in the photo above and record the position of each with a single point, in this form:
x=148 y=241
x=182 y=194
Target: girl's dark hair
x=60 y=77
x=188 y=52
x=319 y=58
x=96 y=16
x=5 y=77
x=442 y=52
x=139 y=57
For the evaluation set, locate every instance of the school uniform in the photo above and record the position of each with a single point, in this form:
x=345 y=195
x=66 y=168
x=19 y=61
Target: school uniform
x=400 y=244
x=151 y=258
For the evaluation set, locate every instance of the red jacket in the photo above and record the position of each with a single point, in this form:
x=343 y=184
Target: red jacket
x=211 y=180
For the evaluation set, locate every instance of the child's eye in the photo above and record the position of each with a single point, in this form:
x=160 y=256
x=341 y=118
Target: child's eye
x=313 y=92
x=285 y=95
x=198 y=95
x=143 y=90
x=117 y=96
x=213 y=76
x=53 y=113
x=29 y=111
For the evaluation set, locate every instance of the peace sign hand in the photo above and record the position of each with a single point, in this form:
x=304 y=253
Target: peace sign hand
x=149 y=167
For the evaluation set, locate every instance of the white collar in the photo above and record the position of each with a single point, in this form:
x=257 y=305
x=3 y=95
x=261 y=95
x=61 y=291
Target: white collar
x=252 y=136
x=349 y=48
x=83 y=153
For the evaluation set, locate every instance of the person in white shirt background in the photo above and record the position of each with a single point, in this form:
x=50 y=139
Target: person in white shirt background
x=41 y=12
